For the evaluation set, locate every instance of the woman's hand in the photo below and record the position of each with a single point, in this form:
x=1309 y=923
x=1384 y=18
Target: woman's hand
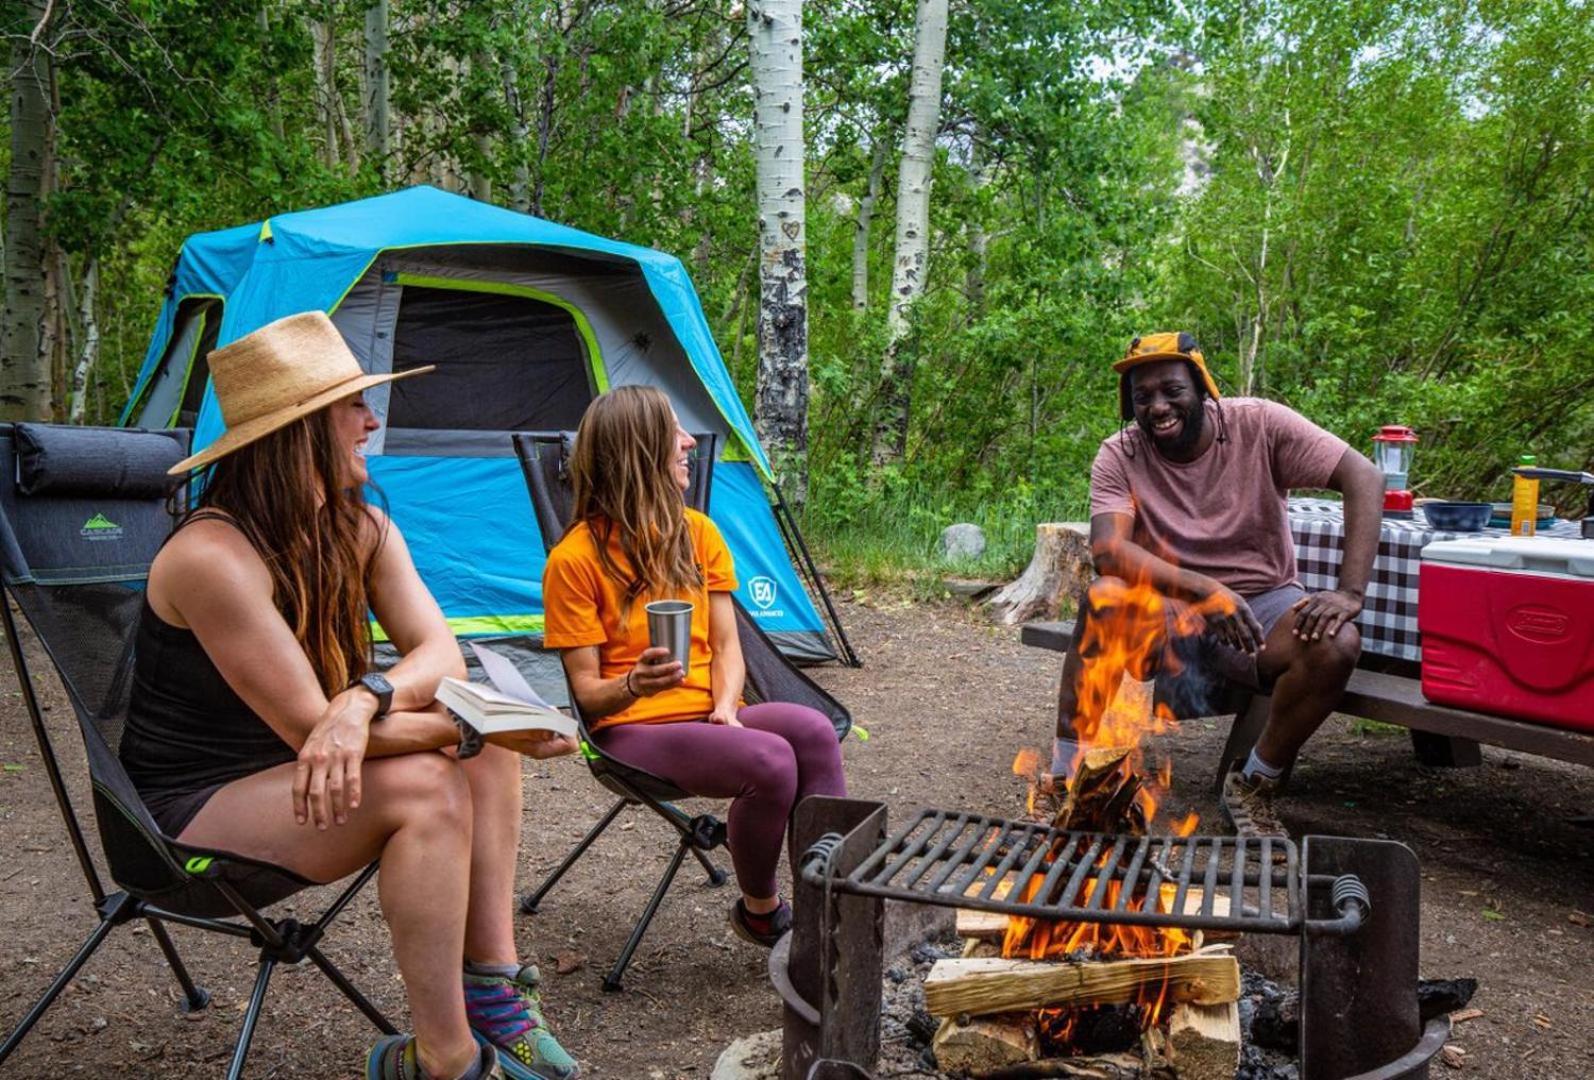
x=655 y=672
x=539 y=743
x=724 y=714
x=326 y=783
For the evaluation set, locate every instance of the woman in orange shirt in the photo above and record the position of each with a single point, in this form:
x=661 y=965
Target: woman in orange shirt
x=632 y=540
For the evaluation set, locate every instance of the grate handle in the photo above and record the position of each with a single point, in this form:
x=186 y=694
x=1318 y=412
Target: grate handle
x=816 y=862
x=1350 y=898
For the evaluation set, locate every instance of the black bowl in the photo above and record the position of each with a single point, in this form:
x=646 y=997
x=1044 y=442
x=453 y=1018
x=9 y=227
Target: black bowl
x=1458 y=516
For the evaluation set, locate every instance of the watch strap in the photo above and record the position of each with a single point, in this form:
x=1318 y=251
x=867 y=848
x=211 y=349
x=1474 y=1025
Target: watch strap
x=470 y=741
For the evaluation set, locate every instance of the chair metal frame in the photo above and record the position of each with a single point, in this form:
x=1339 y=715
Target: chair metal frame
x=280 y=941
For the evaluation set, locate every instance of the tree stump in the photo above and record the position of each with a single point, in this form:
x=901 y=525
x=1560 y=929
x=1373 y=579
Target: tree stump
x=1061 y=566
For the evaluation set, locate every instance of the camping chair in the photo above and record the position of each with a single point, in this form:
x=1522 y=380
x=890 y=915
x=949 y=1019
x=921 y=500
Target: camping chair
x=544 y=457
x=82 y=514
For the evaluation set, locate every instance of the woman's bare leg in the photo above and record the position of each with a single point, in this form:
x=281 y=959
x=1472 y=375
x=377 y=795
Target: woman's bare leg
x=494 y=777
x=415 y=815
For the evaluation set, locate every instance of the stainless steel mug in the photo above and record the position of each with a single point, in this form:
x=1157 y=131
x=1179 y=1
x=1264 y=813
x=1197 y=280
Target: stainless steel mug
x=670 y=627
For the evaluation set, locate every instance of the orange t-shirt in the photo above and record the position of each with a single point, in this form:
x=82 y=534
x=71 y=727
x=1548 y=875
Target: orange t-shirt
x=581 y=606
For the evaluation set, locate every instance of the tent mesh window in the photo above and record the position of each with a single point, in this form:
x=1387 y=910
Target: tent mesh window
x=504 y=363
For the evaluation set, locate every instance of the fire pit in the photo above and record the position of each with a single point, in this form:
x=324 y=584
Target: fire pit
x=1353 y=905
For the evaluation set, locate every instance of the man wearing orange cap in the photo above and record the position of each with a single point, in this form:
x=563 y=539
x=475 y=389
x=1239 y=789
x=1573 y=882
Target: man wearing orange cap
x=1189 y=500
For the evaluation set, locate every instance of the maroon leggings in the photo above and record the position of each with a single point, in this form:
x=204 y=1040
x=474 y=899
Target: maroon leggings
x=781 y=754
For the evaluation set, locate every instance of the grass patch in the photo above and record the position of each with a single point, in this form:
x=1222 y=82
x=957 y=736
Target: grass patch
x=1375 y=727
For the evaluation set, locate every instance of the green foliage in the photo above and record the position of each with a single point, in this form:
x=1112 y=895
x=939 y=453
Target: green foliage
x=1376 y=211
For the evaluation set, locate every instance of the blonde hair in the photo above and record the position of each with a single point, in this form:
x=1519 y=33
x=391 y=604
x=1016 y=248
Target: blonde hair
x=622 y=473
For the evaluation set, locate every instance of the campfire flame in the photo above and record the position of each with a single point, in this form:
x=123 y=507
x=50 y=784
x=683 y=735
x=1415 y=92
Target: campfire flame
x=1114 y=710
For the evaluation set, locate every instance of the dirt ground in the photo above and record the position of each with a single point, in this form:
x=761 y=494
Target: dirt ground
x=948 y=700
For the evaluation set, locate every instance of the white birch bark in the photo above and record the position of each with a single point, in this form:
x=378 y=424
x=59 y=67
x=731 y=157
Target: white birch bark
x=88 y=352
x=913 y=222
x=378 y=125
x=520 y=176
x=780 y=412
x=24 y=359
x=862 y=224
x=326 y=91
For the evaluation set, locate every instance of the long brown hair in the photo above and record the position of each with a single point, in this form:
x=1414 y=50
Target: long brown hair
x=622 y=473
x=284 y=493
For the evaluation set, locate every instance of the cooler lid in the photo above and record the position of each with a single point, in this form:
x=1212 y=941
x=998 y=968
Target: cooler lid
x=1567 y=557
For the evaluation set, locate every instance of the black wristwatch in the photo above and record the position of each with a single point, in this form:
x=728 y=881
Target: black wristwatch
x=377 y=683
x=470 y=741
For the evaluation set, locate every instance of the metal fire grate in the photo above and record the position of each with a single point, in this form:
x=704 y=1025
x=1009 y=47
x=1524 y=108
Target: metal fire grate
x=963 y=860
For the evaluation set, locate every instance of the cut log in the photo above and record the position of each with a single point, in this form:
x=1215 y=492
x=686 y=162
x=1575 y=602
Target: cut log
x=1204 y=1041
x=1060 y=568
x=985 y=1043
x=980 y=987
x=1089 y=1067
x=991 y=925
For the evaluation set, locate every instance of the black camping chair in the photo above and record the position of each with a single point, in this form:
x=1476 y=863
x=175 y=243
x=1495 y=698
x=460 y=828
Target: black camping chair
x=544 y=458
x=82 y=514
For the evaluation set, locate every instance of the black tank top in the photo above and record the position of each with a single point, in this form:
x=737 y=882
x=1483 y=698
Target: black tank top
x=186 y=728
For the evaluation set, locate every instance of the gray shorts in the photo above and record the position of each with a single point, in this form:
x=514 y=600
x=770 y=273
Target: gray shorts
x=1204 y=662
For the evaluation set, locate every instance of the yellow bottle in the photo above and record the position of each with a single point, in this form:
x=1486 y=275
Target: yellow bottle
x=1524 y=500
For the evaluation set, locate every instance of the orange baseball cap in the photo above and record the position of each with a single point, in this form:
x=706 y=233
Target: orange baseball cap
x=1169 y=346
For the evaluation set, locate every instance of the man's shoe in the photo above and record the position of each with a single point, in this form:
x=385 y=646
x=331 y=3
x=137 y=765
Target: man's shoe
x=394 y=1058
x=762 y=930
x=1248 y=804
x=506 y=1011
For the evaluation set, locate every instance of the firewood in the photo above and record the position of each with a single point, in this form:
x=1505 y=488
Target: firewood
x=980 y=987
x=984 y=1043
x=991 y=925
x=1088 y=1067
x=1204 y=1040
x=1060 y=568
x=1103 y=796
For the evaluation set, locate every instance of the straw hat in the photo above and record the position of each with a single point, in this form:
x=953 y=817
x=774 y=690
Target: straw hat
x=286 y=369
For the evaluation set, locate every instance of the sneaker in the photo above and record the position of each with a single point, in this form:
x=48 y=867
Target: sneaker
x=506 y=1011
x=394 y=1058
x=1248 y=804
x=762 y=930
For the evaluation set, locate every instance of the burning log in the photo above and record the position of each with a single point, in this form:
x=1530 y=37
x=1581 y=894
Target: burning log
x=992 y=926
x=982 y=986
x=980 y=1044
x=1061 y=566
x=1204 y=1040
x=1104 y=795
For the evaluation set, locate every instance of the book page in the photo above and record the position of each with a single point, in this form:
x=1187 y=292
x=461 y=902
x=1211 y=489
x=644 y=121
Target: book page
x=506 y=678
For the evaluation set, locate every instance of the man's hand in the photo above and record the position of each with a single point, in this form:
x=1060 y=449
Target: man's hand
x=1324 y=613
x=326 y=783
x=654 y=672
x=1230 y=618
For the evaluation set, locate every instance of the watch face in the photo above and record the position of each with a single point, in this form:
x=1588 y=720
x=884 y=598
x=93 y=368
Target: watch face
x=377 y=683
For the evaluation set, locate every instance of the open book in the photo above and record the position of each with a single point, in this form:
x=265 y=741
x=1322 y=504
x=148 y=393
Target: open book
x=509 y=704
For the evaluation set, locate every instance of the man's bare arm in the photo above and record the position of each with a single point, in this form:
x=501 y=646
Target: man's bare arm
x=1362 y=486
x=1117 y=555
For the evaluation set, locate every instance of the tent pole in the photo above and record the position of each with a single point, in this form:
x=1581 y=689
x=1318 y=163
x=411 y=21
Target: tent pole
x=799 y=547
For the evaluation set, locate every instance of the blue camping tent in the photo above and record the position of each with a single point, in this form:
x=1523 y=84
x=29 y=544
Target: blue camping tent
x=527 y=321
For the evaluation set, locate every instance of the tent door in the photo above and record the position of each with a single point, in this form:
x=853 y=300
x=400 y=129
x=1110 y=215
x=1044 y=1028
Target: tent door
x=173 y=394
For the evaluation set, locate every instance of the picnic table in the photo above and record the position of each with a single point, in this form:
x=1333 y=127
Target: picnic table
x=1388 y=621
x=1386 y=685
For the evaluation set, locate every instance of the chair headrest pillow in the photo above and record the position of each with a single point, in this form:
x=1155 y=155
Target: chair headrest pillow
x=99 y=462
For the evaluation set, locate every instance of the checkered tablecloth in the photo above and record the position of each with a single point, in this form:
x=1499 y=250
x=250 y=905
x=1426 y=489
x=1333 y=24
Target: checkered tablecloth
x=1388 y=621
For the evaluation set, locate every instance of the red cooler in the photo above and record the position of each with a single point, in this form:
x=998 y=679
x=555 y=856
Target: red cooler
x=1508 y=627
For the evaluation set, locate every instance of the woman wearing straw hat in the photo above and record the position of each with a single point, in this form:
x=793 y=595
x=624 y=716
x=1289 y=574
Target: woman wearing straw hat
x=257 y=725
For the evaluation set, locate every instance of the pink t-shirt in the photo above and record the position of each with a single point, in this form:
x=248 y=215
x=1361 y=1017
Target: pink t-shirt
x=1223 y=514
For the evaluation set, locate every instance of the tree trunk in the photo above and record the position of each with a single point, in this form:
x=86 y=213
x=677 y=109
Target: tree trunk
x=378 y=131
x=24 y=363
x=326 y=89
x=780 y=411
x=979 y=237
x=1060 y=567
x=913 y=223
x=520 y=176
x=860 y=235
x=88 y=352
x=481 y=181
x=273 y=102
